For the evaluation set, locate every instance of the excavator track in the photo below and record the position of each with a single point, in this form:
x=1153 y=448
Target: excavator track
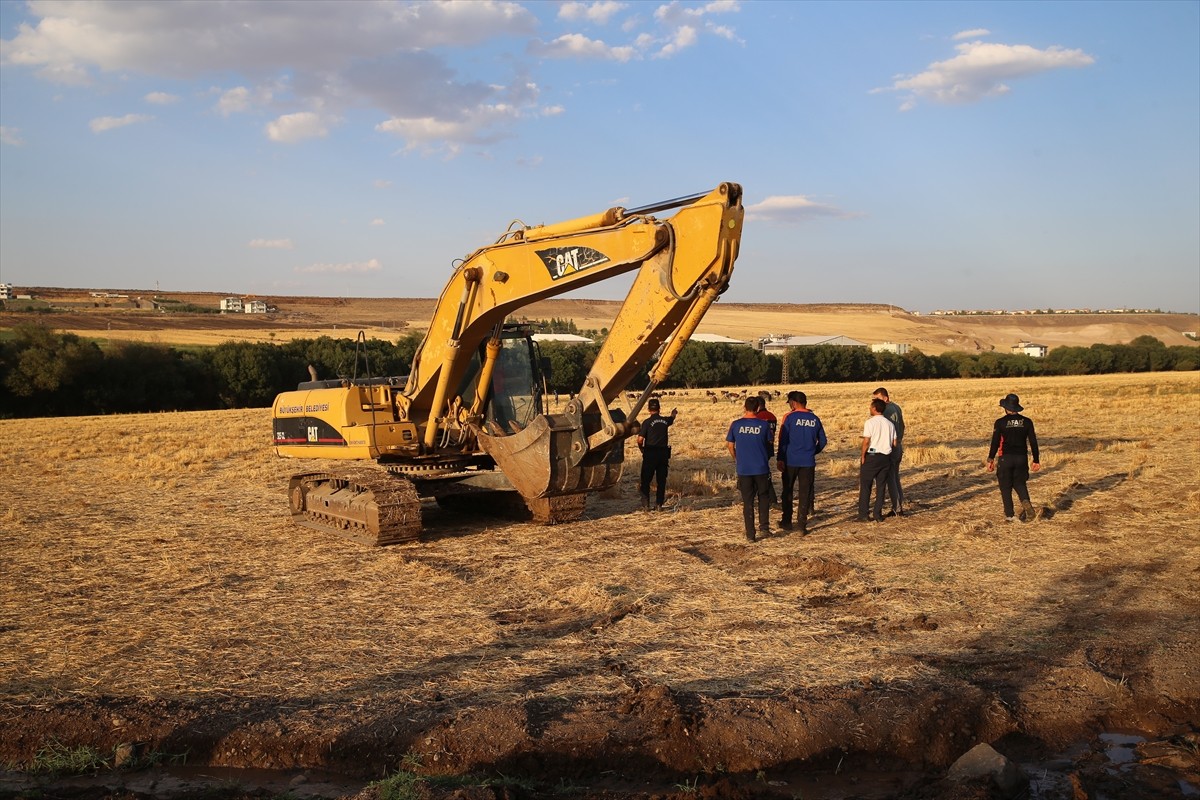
x=366 y=505
x=553 y=510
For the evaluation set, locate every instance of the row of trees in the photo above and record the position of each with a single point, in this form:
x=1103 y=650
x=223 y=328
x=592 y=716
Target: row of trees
x=706 y=365
x=44 y=373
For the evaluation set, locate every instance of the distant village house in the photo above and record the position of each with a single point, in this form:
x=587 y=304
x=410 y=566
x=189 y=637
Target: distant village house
x=1030 y=349
x=254 y=307
x=899 y=348
x=6 y=291
x=231 y=304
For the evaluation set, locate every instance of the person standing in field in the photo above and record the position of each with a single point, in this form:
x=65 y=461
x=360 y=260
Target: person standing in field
x=749 y=443
x=878 y=439
x=1013 y=439
x=801 y=438
x=893 y=412
x=763 y=414
x=656 y=454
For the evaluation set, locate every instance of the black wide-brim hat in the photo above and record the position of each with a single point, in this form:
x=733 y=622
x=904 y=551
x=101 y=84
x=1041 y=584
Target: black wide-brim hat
x=1011 y=403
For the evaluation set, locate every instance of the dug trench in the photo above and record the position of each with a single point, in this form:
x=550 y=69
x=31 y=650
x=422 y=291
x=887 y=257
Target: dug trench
x=857 y=741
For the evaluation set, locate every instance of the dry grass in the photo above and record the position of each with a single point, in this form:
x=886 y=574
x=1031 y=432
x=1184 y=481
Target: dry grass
x=152 y=556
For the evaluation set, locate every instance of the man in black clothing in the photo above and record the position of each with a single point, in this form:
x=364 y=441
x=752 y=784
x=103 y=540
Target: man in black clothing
x=1013 y=439
x=893 y=412
x=656 y=454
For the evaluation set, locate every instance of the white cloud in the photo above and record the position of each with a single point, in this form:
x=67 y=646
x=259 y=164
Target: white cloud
x=329 y=59
x=233 y=101
x=186 y=40
x=724 y=31
x=792 y=209
x=552 y=111
x=102 y=124
x=291 y=128
x=65 y=74
x=430 y=135
x=11 y=136
x=980 y=69
x=576 y=45
x=599 y=12
x=323 y=57
x=378 y=222
x=357 y=267
x=161 y=98
x=271 y=244
x=974 y=33
x=683 y=37
x=381 y=183
x=675 y=12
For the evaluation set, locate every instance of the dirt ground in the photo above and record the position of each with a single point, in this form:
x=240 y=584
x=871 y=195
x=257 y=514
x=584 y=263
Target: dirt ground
x=158 y=608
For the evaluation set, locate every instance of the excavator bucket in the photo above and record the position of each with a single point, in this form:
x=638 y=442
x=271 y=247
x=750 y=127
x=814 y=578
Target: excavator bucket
x=550 y=458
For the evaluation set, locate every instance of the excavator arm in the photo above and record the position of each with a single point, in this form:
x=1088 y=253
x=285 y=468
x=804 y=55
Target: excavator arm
x=683 y=263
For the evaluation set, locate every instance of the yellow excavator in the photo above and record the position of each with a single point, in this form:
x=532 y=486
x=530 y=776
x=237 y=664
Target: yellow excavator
x=468 y=421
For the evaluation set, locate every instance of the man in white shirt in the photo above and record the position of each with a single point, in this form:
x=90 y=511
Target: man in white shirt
x=878 y=439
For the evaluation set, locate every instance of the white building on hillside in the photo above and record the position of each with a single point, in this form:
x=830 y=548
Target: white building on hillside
x=564 y=338
x=899 y=348
x=254 y=307
x=780 y=344
x=1030 y=349
x=6 y=291
x=716 y=338
x=232 y=304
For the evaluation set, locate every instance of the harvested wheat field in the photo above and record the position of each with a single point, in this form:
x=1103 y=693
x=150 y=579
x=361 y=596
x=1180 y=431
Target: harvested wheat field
x=154 y=592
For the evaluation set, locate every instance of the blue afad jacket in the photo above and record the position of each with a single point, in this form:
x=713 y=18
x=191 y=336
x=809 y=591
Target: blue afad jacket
x=801 y=437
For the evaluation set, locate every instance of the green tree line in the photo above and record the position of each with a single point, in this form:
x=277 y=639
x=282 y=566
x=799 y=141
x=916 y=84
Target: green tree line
x=46 y=373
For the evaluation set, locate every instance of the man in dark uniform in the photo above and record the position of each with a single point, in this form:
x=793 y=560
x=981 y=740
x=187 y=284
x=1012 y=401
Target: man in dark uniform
x=1013 y=440
x=896 y=415
x=801 y=438
x=656 y=454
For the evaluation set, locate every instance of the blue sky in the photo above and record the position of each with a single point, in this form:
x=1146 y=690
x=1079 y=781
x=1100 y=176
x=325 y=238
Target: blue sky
x=928 y=155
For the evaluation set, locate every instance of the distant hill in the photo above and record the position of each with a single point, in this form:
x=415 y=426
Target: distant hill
x=134 y=315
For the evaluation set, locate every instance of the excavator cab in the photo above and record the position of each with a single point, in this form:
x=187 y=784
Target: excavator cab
x=517 y=385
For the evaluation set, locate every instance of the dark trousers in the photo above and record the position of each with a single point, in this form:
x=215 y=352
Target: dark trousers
x=874 y=470
x=1012 y=472
x=655 y=461
x=893 y=482
x=755 y=488
x=802 y=479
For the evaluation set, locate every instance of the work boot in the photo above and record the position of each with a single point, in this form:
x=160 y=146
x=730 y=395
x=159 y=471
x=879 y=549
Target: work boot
x=645 y=503
x=1028 y=513
x=785 y=524
x=749 y=536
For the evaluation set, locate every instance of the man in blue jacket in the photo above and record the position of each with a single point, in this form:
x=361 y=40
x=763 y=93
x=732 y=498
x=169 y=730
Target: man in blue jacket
x=749 y=443
x=801 y=437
